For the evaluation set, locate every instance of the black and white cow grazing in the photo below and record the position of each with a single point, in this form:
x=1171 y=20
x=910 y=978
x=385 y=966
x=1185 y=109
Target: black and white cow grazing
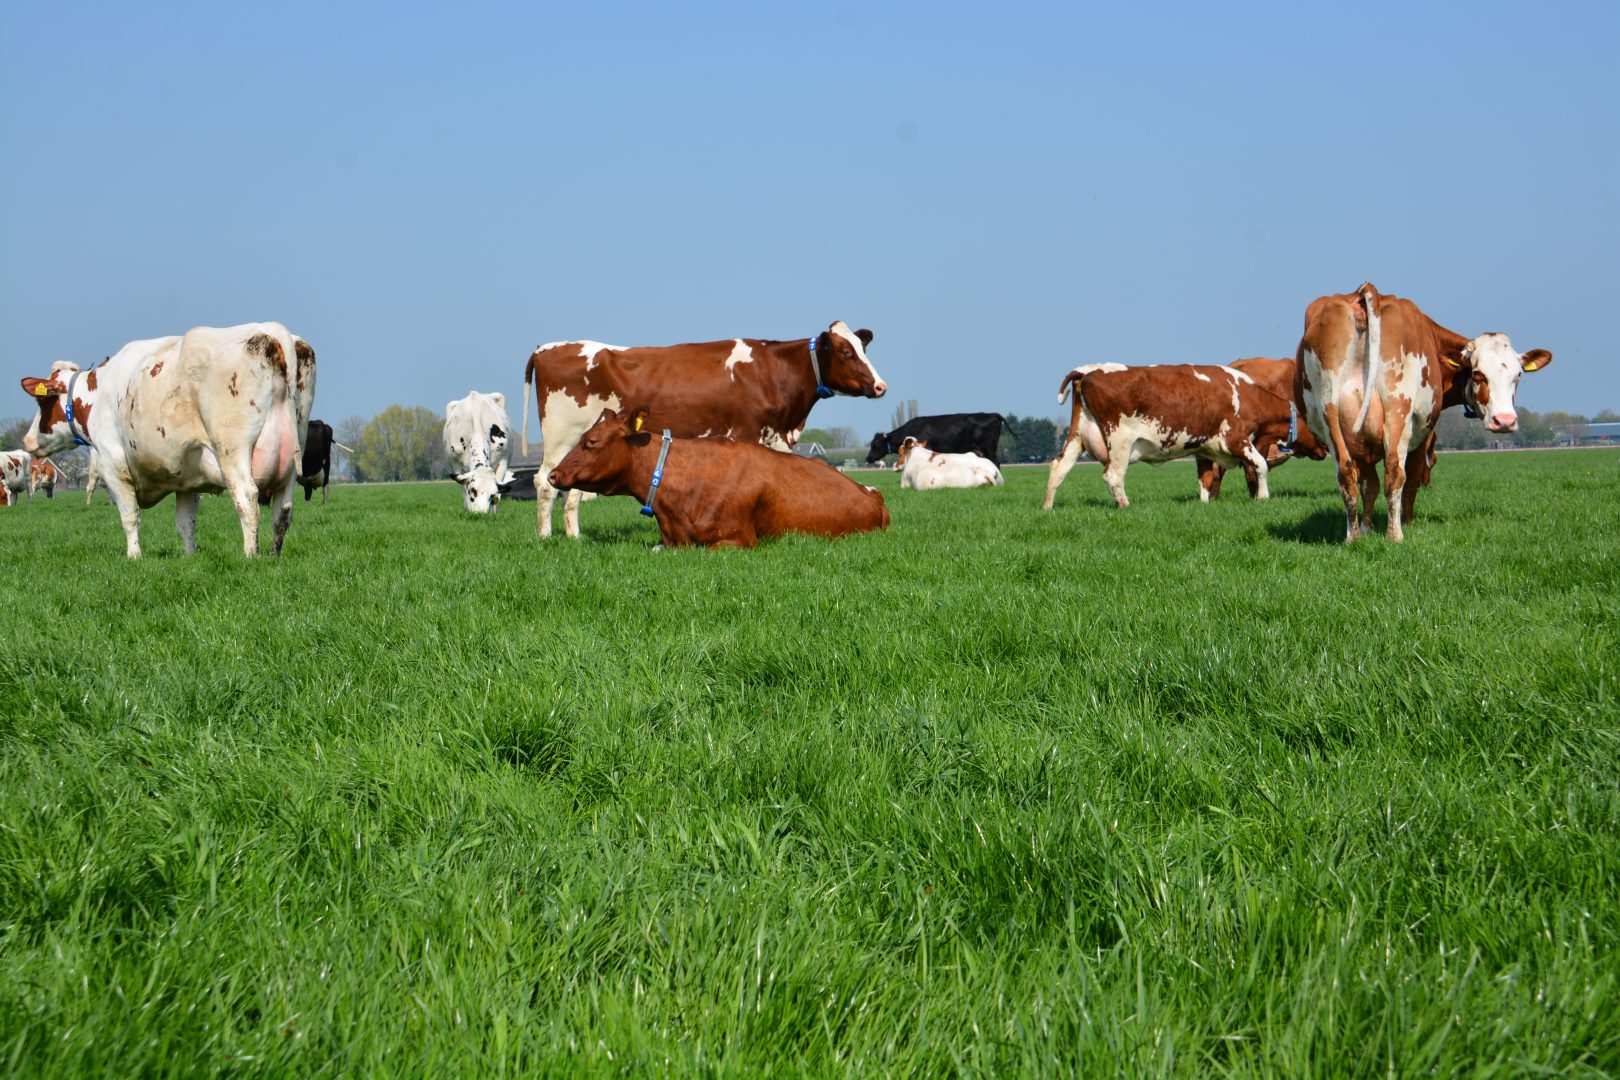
x=949 y=433
x=316 y=467
x=477 y=440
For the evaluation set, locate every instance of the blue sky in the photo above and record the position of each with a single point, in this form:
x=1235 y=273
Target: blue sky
x=1000 y=192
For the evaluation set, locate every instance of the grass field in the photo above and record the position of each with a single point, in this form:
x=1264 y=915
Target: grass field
x=1178 y=789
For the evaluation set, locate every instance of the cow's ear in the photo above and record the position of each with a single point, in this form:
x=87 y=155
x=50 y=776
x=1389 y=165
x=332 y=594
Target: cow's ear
x=606 y=414
x=42 y=388
x=637 y=421
x=461 y=477
x=500 y=398
x=1536 y=359
x=1466 y=355
x=504 y=488
x=865 y=336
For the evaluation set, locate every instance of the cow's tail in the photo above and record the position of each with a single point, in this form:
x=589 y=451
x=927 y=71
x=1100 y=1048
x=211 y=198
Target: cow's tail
x=528 y=382
x=1369 y=388
x=1072 y=378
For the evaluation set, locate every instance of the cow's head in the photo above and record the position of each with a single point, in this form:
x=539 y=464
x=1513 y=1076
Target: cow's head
x=50 y=433
x=481 y=489
x=841 y=354
x=601 y=460
x=879 y=449
x=1493 y=370
x=906 y=448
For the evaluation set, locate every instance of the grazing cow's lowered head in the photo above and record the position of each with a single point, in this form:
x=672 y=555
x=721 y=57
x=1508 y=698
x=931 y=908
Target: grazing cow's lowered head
x=1493 y=379
x=50 y=433
x=601 y=460
x=481 y=490
x=840 y=356
x=878 y=450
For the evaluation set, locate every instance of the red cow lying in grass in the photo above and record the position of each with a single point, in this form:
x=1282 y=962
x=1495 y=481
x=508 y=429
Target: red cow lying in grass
x=718 y=492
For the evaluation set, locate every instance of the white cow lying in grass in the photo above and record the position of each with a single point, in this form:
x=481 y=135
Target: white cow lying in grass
x=923 y=470
x=477 y=438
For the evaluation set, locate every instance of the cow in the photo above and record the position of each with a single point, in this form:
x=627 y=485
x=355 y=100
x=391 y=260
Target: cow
x=477 y=441
x=1157 y=413
x=921 y=469
x=949 y=433
x=1415 y=368
x=43 y=474
x=13 y=476
x=520 y=488
x=1276 y=375
x=207 y=411
x=715 y=491
x=315 y=466
x=748 y=388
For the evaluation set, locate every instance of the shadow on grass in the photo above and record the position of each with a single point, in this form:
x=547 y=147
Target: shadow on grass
x=1325 y=526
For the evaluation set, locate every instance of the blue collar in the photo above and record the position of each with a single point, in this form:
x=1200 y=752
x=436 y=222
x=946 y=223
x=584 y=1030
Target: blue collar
x=67 y=410
x=1293 y=430
x=815 y=367
x=658 y=474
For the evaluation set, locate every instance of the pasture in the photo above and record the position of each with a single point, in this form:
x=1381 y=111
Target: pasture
x=1174 y=790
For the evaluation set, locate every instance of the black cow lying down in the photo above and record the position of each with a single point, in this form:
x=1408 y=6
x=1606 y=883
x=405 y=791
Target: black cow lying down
x=949 y=433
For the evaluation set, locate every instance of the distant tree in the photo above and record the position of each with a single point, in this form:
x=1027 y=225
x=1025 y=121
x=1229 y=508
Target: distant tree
x=1533 y=430
x=842 y=436
x=1571 y=424
x=1607 y=416
x=347 y=432
x=1456 y=432
x=906 y=410
x=815 y=435
x=1028 y=438
x=12 y=432
x=399 y=443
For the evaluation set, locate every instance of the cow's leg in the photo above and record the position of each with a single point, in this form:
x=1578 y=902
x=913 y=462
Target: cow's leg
x=1119 y=459
x=1256 y=471
x=90 y=478
x=1368 y=478
x=1209 y=479
x=245 y=497
x=1349 y=473
x=283 y=518
x=1397 y=437
x=185 y=519
x=571 y=513
x=122 y=495
x=1060 y=467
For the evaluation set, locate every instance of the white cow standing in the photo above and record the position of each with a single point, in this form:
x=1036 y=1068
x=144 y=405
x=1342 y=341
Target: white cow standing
x=13 y=476
x=477 y=439
x=923 y=470
x=209 y=411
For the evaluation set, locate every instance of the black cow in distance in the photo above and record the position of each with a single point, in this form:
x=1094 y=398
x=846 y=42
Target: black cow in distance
x=950 y=433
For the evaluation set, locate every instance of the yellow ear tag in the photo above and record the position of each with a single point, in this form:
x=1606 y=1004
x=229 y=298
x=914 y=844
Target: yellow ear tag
x=1452 y=363
x=42 y=389
x=1531 y=366
x=638 y=423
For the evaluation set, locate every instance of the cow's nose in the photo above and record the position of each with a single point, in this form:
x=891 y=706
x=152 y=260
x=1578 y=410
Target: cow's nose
x=1504 y=422
x=881 y=388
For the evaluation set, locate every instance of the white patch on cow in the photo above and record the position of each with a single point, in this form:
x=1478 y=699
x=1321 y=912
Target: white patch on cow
x=1240 y=376
x=587 y=349
x=1237 y=378
x=1201 y=377
x=740 y=354
x=778 y=440
x=842 y=329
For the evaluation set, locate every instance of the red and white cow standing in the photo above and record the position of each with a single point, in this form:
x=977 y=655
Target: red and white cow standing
x=43 y=473
x=1361 y=340
x=921 y=469
x=754 y=389
x=1157 y=413
x=208 y=411
x=13 y=476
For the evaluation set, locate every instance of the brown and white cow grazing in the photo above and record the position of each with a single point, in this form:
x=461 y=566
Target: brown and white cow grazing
x=13 y=476
x=1157 y=413
x=1276 y=375
x=1415 y=368
x=747 y=388
x=43 y=473
x=716 y=491
x=211 y=410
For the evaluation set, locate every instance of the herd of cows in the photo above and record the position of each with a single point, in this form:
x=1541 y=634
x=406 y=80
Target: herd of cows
x=693 y=432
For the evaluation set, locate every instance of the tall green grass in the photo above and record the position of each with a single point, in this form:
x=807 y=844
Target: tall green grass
x=1173 y=790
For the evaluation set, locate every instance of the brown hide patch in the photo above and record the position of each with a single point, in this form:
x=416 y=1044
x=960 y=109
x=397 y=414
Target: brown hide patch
x=1482 y=391
x=269 y=348
x=162 y=433
x=157 y=369
x=234 y=391
x=306 y=358
x=90 y=380
x=81 y=413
